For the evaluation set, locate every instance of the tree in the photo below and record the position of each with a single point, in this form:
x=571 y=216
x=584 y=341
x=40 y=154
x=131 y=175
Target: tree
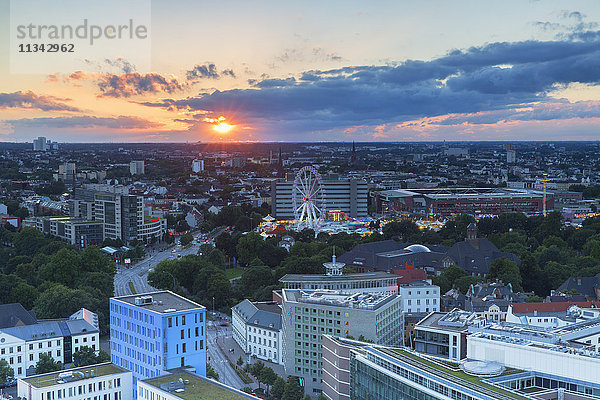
x=534 y=299
x=87 y=356
x=240 y=362
x=256 y=277
x=506 y=271
x=249 y=247
x=278 y=388
x=64 y=267
x=292 y=391
x=405 y=228
x=464 y=282
x=6 y=372
x=186 y=239
x=46 y=364
x=24 y=294
x=211 y=373
x=268 y=377
x=256 y=368
x=447 y=278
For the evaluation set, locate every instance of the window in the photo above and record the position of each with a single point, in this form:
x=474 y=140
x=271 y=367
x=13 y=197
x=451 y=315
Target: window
x=31 y=346
x=182 y=334
x=183 y=320
x=183 y=348
x=170 y=322
x=196 y=330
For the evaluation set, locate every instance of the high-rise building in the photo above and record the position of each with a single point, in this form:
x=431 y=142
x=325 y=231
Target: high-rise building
x=307 y=315
x=67 y=172
x=154 y=332
x=511 y=156
x=346 y=195
x=197 y=166
x=136 y=167
x=40 y=144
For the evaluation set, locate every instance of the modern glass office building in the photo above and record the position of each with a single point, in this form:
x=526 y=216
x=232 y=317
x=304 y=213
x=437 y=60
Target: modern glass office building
x=154 y=332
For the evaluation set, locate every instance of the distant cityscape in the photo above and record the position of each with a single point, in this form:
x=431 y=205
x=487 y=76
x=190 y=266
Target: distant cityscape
x=290 y=271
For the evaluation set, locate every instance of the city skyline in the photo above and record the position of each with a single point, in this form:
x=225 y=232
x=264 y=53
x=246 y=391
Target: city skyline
x=328 y=72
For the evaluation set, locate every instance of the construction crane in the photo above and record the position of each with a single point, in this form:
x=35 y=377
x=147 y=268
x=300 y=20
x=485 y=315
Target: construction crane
x=544 y=180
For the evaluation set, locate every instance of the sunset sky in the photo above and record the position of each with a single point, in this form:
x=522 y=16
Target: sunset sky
x=327 y=71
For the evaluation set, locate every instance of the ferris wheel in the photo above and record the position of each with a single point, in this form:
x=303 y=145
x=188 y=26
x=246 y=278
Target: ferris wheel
x=308 y=199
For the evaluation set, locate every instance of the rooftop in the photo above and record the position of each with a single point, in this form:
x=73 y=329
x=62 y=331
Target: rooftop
x=52 y=378
x=327 y=278
x=456 y=375
x=336 y=298
x=264 y=314
x=455 y=320
x=195 y=387
x=163 y=302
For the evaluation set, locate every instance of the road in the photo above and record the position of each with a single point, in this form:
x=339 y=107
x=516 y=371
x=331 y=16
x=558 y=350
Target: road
x=219 y=361
x=138 y=274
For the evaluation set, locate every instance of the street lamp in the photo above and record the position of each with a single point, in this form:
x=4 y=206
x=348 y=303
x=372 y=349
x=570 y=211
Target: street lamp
x=213 y=305
x=171 y=275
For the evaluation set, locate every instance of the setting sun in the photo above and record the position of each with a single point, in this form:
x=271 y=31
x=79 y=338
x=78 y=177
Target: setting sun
x=222 y=127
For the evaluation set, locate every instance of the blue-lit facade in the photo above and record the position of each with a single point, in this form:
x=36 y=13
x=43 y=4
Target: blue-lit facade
x=148 y=341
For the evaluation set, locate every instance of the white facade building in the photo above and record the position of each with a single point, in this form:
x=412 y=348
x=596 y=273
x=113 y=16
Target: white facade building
x=257 y=329
x=198 y=166
x=21 y=346
x=136 y=168
x=99 y=382
x=571 y=352
x=420 y=297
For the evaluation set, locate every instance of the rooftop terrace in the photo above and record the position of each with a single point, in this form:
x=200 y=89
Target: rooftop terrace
x=79 y=374
x=195 y=387
x=451 y=372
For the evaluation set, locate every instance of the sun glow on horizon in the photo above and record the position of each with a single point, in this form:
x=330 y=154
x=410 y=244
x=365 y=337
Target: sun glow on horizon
x=223 y=127
x=219 y=124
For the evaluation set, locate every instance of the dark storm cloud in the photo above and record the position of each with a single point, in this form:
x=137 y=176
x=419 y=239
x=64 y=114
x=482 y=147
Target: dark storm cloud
x=207 y=71
x=29 y=99
x=121 y=122
x=203 y=71
x=496 y=76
